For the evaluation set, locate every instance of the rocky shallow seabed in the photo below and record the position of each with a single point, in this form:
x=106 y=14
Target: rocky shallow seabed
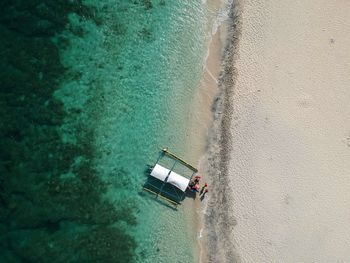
x=44 y=215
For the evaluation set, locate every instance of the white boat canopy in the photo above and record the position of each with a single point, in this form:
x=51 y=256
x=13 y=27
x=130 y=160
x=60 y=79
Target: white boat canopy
x=175 y=179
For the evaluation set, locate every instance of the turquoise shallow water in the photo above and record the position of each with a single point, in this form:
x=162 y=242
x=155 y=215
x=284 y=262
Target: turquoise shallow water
x=147 y=86
x=161 y=69
x=91 y=91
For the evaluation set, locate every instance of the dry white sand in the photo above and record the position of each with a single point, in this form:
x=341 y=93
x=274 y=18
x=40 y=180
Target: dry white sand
x=289 y=165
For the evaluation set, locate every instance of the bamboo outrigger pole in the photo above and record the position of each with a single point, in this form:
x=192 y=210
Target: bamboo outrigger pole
x=165 y=150
x=158 y=194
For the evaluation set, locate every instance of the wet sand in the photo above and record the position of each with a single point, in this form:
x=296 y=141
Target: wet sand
x=201 y=122
x=201 y=119
x=208 y=91
x=280 y=145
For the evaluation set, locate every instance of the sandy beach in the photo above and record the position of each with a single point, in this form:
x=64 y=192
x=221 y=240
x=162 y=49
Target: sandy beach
x=280 y=145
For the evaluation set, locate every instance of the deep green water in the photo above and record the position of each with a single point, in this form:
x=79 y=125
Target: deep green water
x=91 y=90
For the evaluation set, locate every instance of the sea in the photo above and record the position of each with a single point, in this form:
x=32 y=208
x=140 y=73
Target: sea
x=90 y=91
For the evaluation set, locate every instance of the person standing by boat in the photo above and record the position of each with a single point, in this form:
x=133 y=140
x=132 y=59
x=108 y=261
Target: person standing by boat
x=203 y=188
x=195 y=188
x=194 y=182
x=196 y=179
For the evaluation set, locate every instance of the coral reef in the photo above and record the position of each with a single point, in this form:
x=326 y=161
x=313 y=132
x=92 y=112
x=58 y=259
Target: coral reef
x=45 y=217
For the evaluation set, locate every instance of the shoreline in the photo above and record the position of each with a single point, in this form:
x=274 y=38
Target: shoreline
x=218 y=141
x=210 y=84
x=203 y=118
x=205 y=96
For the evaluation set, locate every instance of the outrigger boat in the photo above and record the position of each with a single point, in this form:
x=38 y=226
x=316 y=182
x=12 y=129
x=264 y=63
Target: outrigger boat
x=165 y=183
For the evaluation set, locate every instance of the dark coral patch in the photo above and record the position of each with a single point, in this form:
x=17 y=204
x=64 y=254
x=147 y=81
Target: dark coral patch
x=51 y=207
